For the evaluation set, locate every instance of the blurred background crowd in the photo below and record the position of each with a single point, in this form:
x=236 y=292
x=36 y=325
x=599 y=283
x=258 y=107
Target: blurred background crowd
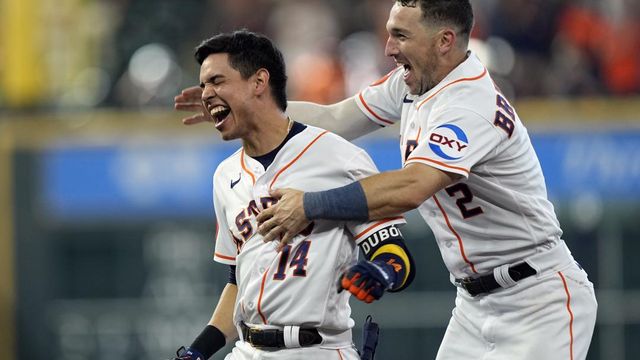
x=139 y=52
x=106 y=221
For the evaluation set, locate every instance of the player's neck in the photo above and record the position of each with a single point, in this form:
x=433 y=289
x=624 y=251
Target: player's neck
x=449 y=63
x=268 y=131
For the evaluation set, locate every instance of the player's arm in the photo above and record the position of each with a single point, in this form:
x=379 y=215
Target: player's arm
x=388 y=265
x=220 y=329
x=343 y=118
x=378 y=196
x=395 y=192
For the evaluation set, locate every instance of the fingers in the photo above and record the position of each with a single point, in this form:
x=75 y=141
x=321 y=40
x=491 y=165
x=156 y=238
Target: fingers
x=195 y=119
x=286 y=238
x=190 y=100
x=277 y=193
x=360 y=287
x=262 y=217
x=269 y=231
x=266 y=225
x=190 y=94
x=345 y=283
x=187 y=105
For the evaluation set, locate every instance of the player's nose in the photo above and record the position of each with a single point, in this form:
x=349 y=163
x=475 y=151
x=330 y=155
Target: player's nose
x=390 y=48
x=208 y=93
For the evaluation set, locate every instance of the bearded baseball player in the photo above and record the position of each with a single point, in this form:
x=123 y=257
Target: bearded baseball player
x=472 y=173
x=284 y=303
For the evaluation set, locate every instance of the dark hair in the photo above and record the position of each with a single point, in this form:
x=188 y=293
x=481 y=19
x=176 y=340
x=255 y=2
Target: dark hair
x=249 y=52
x=450 y=12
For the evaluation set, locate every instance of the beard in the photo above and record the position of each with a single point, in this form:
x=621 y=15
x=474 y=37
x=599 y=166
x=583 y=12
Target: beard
x=429 y=72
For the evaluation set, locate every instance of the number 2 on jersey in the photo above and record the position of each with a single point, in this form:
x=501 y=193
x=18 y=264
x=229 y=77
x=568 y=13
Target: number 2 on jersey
x=466 y=198
x=298 y=262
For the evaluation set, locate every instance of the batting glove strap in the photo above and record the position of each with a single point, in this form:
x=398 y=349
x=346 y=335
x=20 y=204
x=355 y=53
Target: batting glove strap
x=383 y=273
x=368 y=280
x=188 y=354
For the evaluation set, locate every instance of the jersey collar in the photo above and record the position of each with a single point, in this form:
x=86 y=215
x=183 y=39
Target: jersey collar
x=470 y=68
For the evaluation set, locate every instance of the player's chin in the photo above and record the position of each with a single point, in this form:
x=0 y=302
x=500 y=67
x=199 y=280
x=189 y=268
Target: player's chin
x=414 y=89
x=228 y=135
x=225 y=127
x=412 y=85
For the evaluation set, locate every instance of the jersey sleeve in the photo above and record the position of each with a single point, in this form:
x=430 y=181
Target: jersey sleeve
x=382 y=100
x=225 y=248
x=456 y=140
x=362 y=231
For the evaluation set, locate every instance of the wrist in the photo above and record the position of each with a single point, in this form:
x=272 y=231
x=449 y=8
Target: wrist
x=210 y=340
x=344 y=203
x=389 y=273
x=190 y=353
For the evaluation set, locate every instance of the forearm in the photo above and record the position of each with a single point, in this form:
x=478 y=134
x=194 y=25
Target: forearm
x=379 y=196
x=343 y=118
x=222 y=317
x=218 y=332
x=396 y=192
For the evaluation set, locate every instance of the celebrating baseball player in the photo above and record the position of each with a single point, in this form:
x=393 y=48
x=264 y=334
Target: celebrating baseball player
x=472 y=173
x=284 y=303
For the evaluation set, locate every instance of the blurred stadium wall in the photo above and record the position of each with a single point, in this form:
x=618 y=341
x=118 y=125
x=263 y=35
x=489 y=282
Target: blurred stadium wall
x=105 y=198
x=107 y=222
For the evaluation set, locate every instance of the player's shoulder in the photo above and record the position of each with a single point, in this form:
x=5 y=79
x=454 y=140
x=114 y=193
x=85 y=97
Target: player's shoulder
x=470 y=81
x=392 y=82
x=334 y=151
x=471 y=90
x=230 y=164
x=330 y=140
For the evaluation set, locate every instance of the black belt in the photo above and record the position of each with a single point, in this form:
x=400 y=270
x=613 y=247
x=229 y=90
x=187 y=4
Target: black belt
x=274 y=338
x=488 y=283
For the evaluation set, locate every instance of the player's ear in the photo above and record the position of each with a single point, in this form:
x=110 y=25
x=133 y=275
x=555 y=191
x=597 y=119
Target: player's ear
x=261 y=81
x=447 y=39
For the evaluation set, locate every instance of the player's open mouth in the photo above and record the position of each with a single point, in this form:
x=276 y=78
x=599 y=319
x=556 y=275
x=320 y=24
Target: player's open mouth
x=219 y=114
x=407 y=71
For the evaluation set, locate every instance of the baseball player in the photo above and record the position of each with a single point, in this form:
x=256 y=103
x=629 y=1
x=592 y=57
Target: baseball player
x=472 y=173
x=284 y=304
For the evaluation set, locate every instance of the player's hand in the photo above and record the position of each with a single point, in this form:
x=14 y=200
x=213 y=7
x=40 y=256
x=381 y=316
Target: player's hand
x=187 y=354
x=368 y=280
x=285 y=219
x=190 y=99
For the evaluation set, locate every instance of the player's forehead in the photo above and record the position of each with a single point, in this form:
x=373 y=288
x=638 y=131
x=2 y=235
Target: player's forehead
x=216 y=65
x=404 y=18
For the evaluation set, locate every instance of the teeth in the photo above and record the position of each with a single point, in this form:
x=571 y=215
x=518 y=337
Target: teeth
x=216 y=110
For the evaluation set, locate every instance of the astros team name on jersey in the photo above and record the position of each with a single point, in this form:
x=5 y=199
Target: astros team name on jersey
x=244 y=219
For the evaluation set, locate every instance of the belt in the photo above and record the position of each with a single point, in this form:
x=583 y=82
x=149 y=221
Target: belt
x=276 y=338
x=488 y=283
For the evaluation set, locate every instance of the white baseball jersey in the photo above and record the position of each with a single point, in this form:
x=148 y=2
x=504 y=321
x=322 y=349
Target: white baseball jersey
x=498 y=213
x=297 y=286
